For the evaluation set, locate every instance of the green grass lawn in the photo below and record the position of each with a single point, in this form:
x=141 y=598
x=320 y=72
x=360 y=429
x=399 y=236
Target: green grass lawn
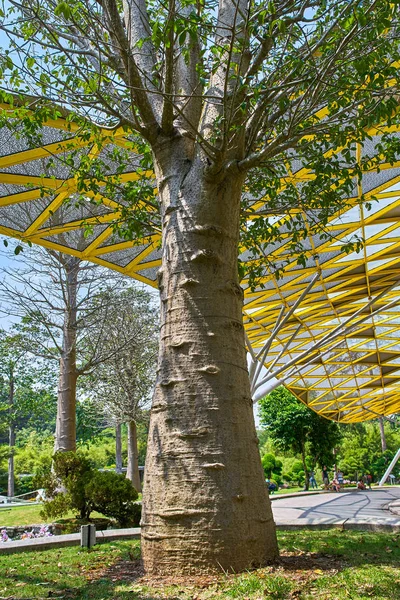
x=291 y=490
x=329 y=565
x=27 y=515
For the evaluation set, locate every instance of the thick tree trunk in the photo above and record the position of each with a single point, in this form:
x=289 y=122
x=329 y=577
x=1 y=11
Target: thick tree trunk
x=132 y=471
x=11 y=440
x=206 y=507
x=118 y=448
x=66 y=400
x=383 y=436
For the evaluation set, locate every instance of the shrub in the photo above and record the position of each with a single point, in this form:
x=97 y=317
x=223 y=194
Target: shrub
x=113 y=495
x=75 y=485
x=65 y=486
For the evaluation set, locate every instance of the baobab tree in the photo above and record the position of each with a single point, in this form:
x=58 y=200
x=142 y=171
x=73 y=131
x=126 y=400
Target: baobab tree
x=224 y=101
x=61 y=302
x=121 y=386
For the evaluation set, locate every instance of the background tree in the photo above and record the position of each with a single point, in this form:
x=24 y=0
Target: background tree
x=217 y=99
x=26 y=394
x=121 y=386
x=292 y=426
x=272 y=467
x=64 y=313
x=360 y=450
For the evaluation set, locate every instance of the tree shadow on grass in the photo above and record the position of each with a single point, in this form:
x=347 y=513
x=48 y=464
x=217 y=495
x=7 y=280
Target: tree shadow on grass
x=100 y=586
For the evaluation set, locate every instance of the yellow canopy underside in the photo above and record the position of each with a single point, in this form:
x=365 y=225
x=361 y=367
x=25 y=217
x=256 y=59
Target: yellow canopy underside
x=357 y=380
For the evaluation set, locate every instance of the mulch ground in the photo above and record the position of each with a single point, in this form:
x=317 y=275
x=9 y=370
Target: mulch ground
x=299 y=567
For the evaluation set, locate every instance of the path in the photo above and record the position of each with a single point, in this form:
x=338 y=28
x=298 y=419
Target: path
x=332 y=508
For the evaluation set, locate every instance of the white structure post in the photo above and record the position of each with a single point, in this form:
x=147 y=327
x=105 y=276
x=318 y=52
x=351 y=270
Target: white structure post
x=390 y=467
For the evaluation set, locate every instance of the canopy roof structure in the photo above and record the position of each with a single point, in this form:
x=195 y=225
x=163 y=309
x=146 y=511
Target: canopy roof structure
x=330 y=330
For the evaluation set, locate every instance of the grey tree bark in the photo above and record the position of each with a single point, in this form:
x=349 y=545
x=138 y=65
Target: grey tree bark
x=11 y=440
x=66 y=397
x=118 y=448
x=132 y=471
x=306 y=474
x=215 y=512
x=383 y=436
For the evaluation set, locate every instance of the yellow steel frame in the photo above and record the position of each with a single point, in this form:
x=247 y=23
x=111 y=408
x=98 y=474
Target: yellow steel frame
x=357 y=380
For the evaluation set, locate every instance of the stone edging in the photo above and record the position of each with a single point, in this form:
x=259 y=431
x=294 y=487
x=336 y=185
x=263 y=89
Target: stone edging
x=62 y=541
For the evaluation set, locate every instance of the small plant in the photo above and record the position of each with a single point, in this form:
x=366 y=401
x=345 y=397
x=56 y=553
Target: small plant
x=244 y=585
x=43 y=532
x=4 y=535
x=277 y=587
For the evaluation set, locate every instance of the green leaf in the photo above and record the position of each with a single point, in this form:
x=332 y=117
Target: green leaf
x=63 y=9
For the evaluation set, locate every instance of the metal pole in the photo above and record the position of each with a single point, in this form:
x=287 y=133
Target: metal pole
x=88 y=536
x=390 y=467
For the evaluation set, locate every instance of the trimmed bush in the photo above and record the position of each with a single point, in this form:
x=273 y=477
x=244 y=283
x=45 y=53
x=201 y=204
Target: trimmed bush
x=112 y=495
x=75 y=485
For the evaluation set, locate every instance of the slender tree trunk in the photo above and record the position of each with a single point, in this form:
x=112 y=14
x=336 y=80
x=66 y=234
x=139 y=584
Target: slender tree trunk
x=306 y=475
x=206 y=506
x=118 y=448
x=383 y=436
x=66 y=400
x=132 y=471
x=11 y=440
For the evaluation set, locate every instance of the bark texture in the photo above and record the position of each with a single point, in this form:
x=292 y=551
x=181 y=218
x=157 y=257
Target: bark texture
x=206 y=506
x=11 y=441
x=66 y=397
x=132 y=471
x=118 y=448
x=305 y=468
x=383 y=436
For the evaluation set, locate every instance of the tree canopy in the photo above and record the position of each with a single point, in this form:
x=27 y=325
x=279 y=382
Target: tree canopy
x=263 y=90
x=292 y=426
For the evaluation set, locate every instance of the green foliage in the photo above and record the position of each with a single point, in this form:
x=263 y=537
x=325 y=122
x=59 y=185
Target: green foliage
x=34 y=452
x=26 y=385
x=294 y=427
x=297 y=474
x=361 y=450
x=75 y=485
x=272 y=467
x=114 y=496
x=66 y=485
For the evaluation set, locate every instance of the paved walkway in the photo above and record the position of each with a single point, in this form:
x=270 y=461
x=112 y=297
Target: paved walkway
x=341 y=509
x=346 y=510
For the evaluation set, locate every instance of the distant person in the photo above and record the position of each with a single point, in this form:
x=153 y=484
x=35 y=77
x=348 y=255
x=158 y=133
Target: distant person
x=335 y=485
x=340 y=477
x=369 y=480
x=325 y=477
x=313 y=483
x=361 y=485
x=272 y=487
